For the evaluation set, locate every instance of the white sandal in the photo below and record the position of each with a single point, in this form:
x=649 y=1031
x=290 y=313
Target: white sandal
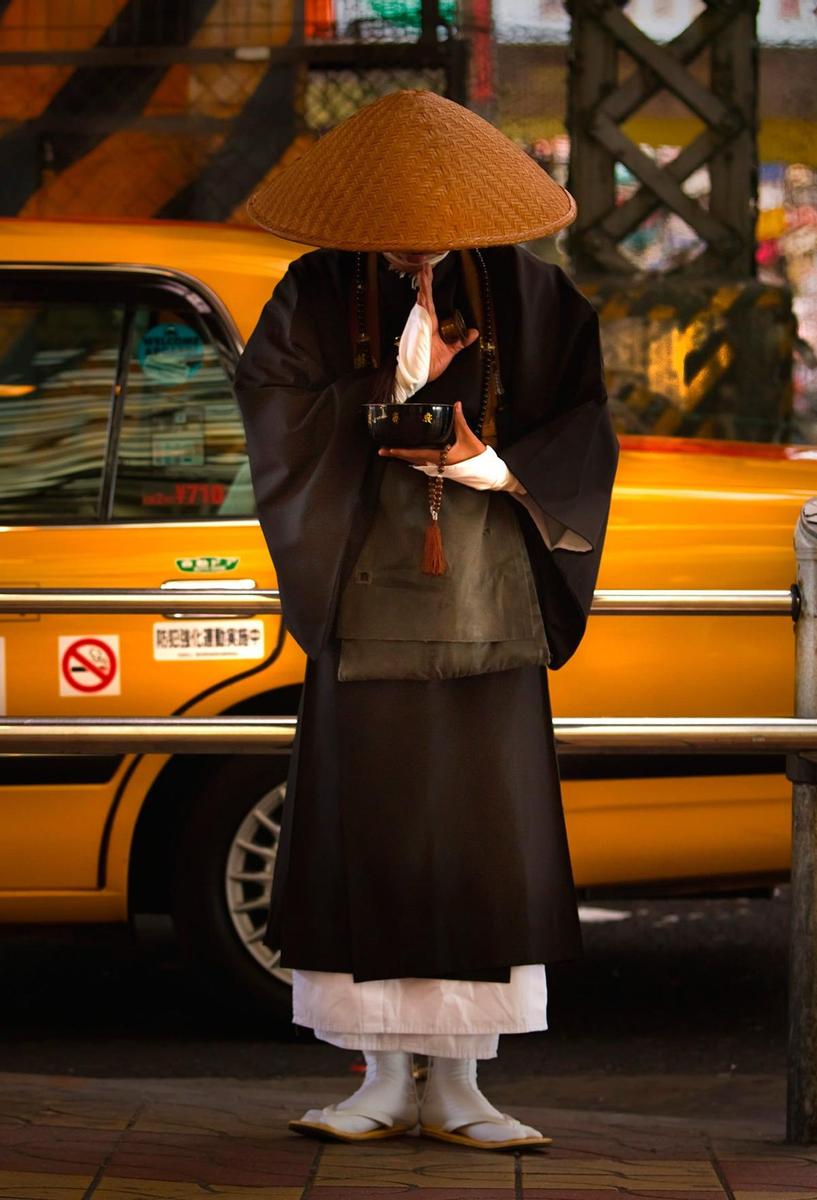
x=453 y=1102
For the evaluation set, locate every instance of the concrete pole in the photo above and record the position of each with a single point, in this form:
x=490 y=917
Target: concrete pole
x=801 y=1115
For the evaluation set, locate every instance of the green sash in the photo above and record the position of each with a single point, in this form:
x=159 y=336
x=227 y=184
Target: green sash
x=482 y=615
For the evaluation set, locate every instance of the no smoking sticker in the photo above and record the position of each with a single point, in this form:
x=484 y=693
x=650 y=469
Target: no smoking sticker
x=89 y=666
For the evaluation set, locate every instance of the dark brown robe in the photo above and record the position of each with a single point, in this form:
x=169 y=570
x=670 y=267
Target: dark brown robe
x=423 y=832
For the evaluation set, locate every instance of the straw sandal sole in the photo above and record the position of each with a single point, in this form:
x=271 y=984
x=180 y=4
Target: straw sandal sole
x=327 y=1133
x=462 y=1139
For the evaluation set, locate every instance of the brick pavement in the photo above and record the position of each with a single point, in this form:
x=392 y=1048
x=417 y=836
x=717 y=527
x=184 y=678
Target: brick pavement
x=68 y=1138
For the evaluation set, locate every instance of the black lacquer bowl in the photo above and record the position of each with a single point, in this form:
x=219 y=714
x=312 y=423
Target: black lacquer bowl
x=410 y=425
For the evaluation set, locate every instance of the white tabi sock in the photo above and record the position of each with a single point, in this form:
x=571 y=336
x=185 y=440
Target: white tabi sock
x=452 y=1101
x=388 y=1094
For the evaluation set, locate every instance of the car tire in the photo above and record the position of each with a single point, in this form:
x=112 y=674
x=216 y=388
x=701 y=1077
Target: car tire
x=231 y=830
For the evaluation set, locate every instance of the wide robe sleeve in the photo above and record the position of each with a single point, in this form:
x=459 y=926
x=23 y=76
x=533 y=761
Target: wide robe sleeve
x=561 y=446
x=306 y=441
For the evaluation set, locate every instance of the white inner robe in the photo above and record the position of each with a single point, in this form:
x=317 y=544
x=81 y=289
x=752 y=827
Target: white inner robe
x=454 y=1018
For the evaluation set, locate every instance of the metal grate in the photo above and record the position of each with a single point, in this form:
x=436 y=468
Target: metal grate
x=180 y=108
x=617 y=71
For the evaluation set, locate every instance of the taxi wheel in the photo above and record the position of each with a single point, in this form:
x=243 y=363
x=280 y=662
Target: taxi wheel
x=222 y=885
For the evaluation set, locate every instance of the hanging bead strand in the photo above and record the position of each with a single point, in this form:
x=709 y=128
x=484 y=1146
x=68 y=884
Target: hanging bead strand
x=433 y=557
x=363 y=351
x=487 y=344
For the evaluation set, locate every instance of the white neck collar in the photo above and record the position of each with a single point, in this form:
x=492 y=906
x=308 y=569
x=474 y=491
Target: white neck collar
x=394 y=262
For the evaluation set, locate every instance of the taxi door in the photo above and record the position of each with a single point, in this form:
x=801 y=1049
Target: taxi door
x=122 y=465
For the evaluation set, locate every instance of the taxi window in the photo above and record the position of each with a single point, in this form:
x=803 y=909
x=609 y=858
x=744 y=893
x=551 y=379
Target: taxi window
x=181 y=449
x=58 y=362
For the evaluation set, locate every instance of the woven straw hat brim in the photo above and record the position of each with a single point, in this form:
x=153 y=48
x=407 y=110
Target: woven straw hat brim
x=412 y=171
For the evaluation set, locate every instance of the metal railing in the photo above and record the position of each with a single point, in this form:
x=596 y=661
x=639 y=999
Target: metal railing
x=226 y=602
x=794 y=736
x=221 y=602
x=275 y=735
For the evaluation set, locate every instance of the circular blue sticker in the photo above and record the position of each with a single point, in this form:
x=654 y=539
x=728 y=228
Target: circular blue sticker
x=170 y=353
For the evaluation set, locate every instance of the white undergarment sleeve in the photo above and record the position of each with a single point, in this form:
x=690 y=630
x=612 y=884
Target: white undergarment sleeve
x=413 y=355
x=485 y=472
x=442 y=1014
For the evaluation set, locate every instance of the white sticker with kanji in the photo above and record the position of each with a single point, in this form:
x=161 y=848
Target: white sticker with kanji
x=89 y=665
x=188 y=640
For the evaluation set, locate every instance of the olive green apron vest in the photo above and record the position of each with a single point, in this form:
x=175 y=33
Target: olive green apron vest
x=395 y=622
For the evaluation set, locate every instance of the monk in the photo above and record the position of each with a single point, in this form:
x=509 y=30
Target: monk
x=423 y=878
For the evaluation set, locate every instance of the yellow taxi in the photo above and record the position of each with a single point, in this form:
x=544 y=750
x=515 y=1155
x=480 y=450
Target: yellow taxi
x=122 y=464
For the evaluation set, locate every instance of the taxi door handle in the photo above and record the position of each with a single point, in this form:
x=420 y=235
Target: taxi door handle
x=209 y=585
x=204 y=585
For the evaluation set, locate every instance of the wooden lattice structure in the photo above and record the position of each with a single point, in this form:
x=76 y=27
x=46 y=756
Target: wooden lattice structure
x=602 y=96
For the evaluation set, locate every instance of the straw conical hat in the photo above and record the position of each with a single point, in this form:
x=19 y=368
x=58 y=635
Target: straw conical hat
x=412 y=171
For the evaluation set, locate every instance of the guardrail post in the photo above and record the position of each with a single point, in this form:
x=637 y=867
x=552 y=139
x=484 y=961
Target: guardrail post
x=801 y=1109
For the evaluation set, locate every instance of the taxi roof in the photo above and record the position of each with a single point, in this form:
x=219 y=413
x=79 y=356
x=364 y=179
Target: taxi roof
x=241 y=265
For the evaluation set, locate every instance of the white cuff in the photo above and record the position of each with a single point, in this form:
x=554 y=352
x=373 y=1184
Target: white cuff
x=413 y=355
x=485 y=472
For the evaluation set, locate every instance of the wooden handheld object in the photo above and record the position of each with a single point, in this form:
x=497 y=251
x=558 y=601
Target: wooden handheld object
x=453 y=328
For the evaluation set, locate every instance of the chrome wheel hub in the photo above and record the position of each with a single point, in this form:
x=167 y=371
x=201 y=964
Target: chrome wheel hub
x=248 y=878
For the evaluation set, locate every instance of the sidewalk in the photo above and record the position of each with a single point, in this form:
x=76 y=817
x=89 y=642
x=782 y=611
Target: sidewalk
x=66 y=1138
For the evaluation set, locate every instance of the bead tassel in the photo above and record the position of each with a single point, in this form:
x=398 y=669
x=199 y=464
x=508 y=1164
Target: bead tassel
x=433 y=554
